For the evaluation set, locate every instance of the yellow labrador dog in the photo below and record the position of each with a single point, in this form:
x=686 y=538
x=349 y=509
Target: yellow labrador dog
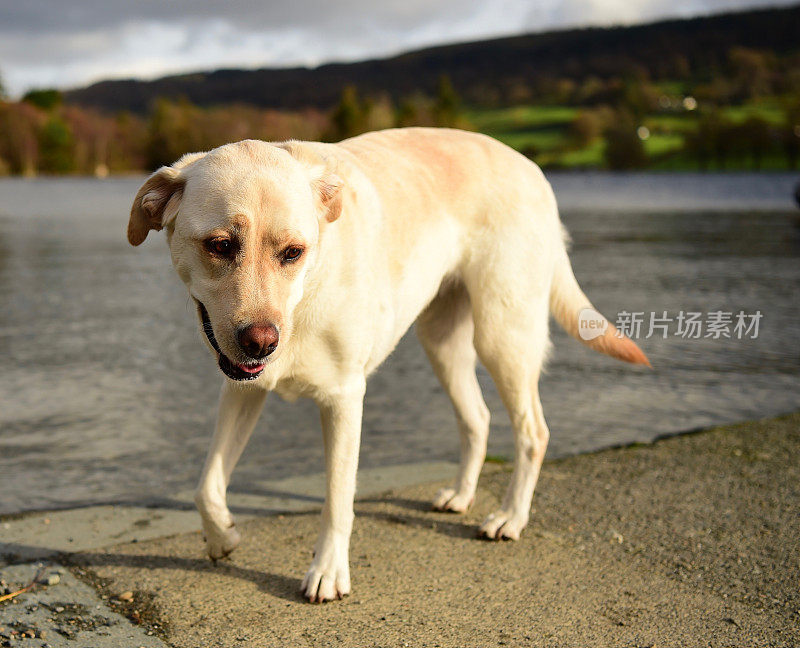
x=309 y=261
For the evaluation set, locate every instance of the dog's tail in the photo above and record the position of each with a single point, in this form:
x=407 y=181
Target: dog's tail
x=576 y=314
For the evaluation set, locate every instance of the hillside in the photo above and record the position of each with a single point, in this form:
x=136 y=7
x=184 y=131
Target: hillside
x=487 y=73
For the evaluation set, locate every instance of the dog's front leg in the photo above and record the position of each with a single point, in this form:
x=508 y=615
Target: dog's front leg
x=329 y=574
x=239 y=409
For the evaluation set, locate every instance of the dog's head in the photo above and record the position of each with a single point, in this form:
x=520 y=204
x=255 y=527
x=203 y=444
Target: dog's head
x=243 y=224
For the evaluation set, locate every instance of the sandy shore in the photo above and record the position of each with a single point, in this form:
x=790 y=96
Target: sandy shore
x=691 y=541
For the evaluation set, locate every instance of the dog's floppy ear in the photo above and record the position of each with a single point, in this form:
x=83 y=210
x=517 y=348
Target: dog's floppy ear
x=156 y=203
x=328 y=186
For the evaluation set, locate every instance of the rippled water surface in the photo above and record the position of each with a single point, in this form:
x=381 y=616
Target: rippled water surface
x=108 y=394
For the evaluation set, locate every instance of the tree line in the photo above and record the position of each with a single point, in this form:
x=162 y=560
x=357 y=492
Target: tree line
x=40 y=134
x=43 y=134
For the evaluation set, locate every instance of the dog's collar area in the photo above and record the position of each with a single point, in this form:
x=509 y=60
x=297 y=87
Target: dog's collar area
x=229 y=368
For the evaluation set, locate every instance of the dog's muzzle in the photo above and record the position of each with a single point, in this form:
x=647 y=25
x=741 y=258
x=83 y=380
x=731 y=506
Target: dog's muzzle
x=234 y=371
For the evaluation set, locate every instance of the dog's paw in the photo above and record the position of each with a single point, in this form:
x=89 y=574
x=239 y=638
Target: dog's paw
x=220 y=542
x=503 y=525
x=448 y=499
x=328 y=577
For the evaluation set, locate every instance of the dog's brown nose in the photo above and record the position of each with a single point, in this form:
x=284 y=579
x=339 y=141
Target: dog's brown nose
x=258 y=340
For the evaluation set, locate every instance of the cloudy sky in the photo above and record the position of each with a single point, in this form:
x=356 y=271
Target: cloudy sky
x=66 y=43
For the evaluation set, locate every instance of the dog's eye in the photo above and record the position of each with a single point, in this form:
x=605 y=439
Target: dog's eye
x=292 y=253
x=220 y=246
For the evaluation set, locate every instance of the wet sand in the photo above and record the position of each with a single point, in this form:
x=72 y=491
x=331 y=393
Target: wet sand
x=690 y=541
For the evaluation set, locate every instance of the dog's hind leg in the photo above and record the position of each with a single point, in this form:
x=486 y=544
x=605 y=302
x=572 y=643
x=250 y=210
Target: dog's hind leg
x=446 y=330
x=511 y=340
x=239 y=409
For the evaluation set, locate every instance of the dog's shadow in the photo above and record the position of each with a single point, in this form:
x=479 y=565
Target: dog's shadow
x=278 y=585
x=409 y=512
x=275 y=584
x=427 y=518
x=446 y=523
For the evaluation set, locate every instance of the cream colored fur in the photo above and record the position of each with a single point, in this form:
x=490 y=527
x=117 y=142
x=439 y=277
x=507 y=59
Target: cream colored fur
x=450 y=229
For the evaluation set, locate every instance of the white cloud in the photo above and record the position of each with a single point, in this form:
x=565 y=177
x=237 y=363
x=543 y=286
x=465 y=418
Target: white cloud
x=43 y=46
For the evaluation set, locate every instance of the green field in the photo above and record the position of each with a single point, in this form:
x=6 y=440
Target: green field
x=504 y=120
x=542 y=129
x=542 y=132
x=770 y=111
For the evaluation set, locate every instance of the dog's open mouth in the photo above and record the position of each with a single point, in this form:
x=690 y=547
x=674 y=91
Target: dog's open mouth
x=233 y=370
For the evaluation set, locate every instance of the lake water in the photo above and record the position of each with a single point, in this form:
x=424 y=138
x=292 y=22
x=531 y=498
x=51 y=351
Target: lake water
x=108 y=394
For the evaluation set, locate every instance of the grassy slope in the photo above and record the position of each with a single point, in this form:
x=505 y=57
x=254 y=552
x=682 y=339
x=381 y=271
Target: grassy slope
x=542 y=132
